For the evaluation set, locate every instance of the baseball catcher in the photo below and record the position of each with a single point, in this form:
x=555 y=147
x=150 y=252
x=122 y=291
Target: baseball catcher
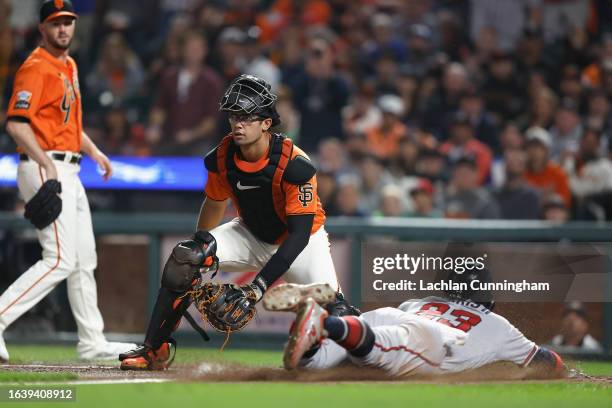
x=279 y=230
x=430 y=336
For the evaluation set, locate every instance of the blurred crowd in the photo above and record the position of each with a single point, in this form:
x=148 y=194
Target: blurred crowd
x=477 y=109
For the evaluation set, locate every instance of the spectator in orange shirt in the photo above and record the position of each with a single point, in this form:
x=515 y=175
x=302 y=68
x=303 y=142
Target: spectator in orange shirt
x=542 y=174
x=282 y=12
x=462 y=143
x=383 y=141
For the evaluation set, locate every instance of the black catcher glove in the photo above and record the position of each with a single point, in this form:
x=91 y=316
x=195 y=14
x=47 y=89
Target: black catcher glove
x=46 y=205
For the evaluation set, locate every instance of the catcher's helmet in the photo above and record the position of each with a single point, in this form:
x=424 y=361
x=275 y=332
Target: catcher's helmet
x=251 y=95
x=483 y=297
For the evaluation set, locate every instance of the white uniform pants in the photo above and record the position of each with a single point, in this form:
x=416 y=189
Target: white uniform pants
x=239 y=250
x=69 y=252
x=404 y=344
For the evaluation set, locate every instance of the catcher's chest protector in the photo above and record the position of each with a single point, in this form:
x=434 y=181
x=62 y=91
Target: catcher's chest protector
x=259 y=196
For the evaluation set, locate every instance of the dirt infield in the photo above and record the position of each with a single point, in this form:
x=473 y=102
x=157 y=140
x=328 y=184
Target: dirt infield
x=217 y=372
x=499 y=372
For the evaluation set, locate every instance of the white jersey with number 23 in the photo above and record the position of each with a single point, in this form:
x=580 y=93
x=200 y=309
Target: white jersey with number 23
x=491 y=337
x=433 y=336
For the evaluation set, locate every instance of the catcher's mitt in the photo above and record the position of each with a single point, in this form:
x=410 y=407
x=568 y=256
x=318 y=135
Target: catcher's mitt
x=227 y=307
x=46 y=205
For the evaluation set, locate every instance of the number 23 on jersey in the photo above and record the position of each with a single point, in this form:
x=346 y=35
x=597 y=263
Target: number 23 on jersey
x=461 y=319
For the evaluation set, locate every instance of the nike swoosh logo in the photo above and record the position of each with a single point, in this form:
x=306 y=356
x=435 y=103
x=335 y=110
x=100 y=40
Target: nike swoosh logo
x=242 y=188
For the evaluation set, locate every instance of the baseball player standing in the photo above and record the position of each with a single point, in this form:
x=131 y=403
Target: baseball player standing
x=45 y=119
x=279 y=231
x=430 y=336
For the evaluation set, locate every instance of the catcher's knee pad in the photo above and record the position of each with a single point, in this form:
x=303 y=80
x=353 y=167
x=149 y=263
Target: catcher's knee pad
x=186 y=261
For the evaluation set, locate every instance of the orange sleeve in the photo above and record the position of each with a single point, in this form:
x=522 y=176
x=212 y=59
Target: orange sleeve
x=216 y=187
x=27 y=93
x=301 y=199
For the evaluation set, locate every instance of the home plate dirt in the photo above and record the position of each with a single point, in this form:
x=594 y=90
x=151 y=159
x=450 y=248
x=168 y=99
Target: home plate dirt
x=229 y=372
x=90 y=372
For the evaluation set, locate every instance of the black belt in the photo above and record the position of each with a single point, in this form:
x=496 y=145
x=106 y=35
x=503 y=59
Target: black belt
x=75 y=159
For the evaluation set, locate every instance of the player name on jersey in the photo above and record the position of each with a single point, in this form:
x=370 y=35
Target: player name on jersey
x=448 y=285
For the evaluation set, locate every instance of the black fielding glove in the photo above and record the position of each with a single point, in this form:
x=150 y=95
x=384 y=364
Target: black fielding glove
x=45 y=206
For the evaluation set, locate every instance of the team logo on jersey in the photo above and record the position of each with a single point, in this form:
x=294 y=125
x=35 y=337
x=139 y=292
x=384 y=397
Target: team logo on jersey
x=305 y=196
x=22 y=99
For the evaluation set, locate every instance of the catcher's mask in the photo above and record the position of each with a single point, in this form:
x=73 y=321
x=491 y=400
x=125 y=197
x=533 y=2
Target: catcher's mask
x=482 y=297
x=251 y=95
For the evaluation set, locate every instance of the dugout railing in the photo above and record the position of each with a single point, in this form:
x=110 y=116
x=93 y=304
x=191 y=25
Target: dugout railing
x=156 y=225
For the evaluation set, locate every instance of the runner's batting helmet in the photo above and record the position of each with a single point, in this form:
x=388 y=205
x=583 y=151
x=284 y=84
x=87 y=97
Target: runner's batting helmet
x=482 y=296
x=249 y=94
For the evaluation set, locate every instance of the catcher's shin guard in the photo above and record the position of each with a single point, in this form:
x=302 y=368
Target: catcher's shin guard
x=182 y=270
x=147 y=358
x=167 y=313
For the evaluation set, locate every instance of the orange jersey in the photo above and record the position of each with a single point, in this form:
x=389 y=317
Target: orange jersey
x=383 y=144
x=46 y=94
x=552 y=179
x=288 y=198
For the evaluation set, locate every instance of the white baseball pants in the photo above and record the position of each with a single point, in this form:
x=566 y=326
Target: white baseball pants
x=239 y=250
x=404 y=344
x=69 y=252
